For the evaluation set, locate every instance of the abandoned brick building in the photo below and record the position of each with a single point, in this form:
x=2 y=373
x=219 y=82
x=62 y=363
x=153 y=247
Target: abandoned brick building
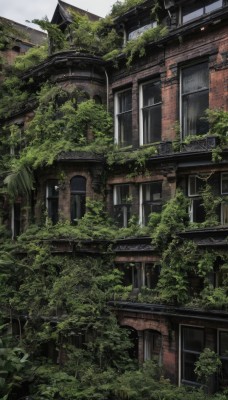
x=158 y=102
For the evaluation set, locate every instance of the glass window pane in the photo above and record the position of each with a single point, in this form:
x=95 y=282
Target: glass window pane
x=124 y=101
x=194 y=106
x=152 y=124
x=224 y=184
x=122 y=194
x=195 y=78
x=152 y=191
x=191 y=12
x=193 y=339
x=223 y=344
x=151 y=94
x=188 y=367
x=78 y=184
x=52 y=188
x=77 y=207
x=125 y=129
x=213 y=5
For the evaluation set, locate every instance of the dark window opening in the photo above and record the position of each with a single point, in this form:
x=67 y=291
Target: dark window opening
x=122 y=206
x=52 y=200
x=195 y=99
x=16 y=217
x=199 y=8
x=78 y=198
x=223 y=353
x=192 y=344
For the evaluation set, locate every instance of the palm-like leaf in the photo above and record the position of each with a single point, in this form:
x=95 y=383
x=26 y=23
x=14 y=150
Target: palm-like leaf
x=20 y=182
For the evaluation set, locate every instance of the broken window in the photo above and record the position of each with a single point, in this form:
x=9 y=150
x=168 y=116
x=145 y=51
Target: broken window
x=150 y=200
x=123 y=118
x=195 y=99
x=52 y=200
x=192 y=344
x=150 y=112
x=78 y=198
x=199 y=8
x=122 y=204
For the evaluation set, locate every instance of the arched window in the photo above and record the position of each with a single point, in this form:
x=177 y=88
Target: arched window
x=78 y=198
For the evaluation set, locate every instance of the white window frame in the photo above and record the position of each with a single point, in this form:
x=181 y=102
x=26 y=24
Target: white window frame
x=116 y=114
x=141 y=133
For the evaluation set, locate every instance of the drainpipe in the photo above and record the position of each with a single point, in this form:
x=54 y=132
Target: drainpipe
x=107 y=86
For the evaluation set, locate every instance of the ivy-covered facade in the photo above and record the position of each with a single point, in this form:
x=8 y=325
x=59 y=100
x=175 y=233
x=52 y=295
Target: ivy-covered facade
x=114 y=205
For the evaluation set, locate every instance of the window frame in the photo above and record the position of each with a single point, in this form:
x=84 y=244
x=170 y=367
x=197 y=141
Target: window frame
x=117 y=114
x=142 y=202
x=125 y=207
x=142 y=108
x=224 y=206
x=204 y=11
x=222 y=358
x=51 y=199
x=81 y=193
x=185 y=95
x=181 y=353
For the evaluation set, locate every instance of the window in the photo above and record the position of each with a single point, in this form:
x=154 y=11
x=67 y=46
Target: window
x=137 y=32
x=150 y=200
x=78 y=198
x=198 y=8
x=52 y=200
x=224 y=204
x=194 y=99
x=150 y=112
x=122 y=206
x=123 y=119
x=16 y=220
x=196 y=209
x=192 y=344
x=141 y=274
x=152 y=345
x=223 y=353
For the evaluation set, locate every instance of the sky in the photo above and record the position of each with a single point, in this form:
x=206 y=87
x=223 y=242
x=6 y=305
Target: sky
x=22 y=10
